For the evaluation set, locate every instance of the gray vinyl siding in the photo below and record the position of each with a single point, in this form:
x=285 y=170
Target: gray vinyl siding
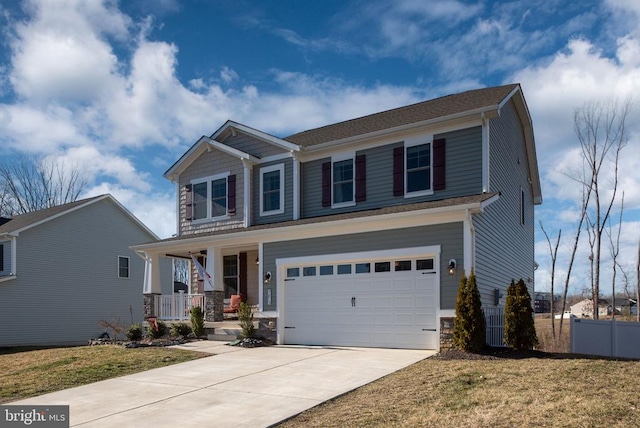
x=67 y=278
x=253 y=146
x=206 y=165
x=463 y=175
x=6 y=258
x=505 y=247
x=288 y=194
x=449 y=236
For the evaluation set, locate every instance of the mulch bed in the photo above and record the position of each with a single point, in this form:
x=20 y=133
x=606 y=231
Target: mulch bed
x=495 y=354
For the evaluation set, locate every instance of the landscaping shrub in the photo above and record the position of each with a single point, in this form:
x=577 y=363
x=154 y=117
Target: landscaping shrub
x=469 y=327
x=160 y=332
x=180 y=329
x=134 y=333
x=245 y=316
x=519 y=326
x=197 y=321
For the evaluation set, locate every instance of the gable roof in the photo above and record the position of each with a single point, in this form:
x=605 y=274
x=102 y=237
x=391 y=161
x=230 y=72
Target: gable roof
x=26 y=221
x=474 y=101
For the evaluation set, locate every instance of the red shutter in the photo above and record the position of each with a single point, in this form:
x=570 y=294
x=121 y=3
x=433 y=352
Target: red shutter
x=188 y=202
x=326 y=184
x=231 y=195
x=361 y=178
x=439 y=161
x=398 y=171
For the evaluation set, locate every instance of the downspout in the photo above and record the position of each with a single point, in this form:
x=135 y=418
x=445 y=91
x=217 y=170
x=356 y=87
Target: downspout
x=247 y=192
x=470 y=243
x=296 y=187
x=485 y=154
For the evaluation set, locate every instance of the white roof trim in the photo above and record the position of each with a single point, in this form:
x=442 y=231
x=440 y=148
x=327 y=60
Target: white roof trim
x=267 y=138
x=205 y=143
x=430 y=216
x=230 y=150
x=78 y=207
x=471 y=115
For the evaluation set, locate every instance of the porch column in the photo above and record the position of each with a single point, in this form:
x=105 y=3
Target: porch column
x=214 y=299
x=151 y=286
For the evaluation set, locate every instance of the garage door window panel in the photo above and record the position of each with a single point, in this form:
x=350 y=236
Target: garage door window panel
x=309 y=271
x=363 y=267
x=382 y=267
x=344 y=269
x=424 y=264
x=402 y=265
x=326 y=270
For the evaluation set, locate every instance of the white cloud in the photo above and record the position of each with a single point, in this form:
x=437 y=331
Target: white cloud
x=155 y=210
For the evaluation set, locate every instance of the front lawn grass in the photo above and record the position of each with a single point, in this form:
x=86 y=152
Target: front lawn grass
x=558 y=391
x=29 y=372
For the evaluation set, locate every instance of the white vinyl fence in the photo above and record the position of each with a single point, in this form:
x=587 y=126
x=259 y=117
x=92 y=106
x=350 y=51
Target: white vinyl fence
x=605 y=338
x=494 y=318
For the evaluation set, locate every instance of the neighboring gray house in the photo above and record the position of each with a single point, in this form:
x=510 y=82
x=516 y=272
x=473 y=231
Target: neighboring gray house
x=357 y=233
x=66 y=268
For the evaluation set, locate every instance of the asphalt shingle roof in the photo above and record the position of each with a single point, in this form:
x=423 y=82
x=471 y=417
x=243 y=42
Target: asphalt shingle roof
x=414 y=113
x=23 y=220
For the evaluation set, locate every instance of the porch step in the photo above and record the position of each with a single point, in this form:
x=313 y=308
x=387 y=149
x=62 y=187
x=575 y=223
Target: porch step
x=223 y=334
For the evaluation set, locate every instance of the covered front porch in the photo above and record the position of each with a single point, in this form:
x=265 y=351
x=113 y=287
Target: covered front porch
x=214 y=278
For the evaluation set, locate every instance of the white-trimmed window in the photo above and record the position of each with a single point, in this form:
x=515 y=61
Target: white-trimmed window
x=272 y=190
x=123 y=267
x=343 y=182
x=418 y=169
x=210 y=198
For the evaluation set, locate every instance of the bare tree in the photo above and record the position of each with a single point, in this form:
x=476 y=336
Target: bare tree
x=586 y=195
x=602 y=133
x=553 y=252
x=614 y=249
x=29 y=184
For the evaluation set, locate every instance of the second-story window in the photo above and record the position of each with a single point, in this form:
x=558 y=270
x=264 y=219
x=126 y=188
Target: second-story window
x=272 y=190
x=419 y=168
x=343 y=181
x=211 y=197
x=219 y=197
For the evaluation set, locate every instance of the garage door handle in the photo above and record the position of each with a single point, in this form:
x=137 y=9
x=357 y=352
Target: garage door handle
x=424 y=329
x=290 y=279
x=424 y=273
x=288 y=327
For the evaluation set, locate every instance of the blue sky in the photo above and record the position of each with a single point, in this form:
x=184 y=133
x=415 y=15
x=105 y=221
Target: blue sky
x=124 y=88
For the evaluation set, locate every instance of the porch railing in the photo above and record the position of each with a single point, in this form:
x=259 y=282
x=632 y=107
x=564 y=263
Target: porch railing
x=177 y=307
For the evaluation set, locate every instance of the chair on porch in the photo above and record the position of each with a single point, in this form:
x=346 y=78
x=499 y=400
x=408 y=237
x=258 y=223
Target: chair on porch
x=234 y=304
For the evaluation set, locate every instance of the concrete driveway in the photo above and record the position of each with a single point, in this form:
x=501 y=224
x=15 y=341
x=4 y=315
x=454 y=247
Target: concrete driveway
x=236 y=387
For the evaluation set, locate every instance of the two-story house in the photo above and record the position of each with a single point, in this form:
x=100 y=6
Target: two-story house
x=358 y=233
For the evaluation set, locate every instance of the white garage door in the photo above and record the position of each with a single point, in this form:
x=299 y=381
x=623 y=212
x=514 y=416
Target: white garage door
x=372 y=303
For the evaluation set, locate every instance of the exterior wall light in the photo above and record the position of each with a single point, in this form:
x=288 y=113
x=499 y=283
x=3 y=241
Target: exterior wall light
x=452 y=267
x=267 y=277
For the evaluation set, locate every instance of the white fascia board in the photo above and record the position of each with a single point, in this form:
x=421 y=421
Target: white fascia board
x=469 y=116
x=322 y=229
x=204 y=143
x=230 y=150
x=132 y=217
x=179 y=165
x=267 y=138
x=527 y=125
x=60 y=214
